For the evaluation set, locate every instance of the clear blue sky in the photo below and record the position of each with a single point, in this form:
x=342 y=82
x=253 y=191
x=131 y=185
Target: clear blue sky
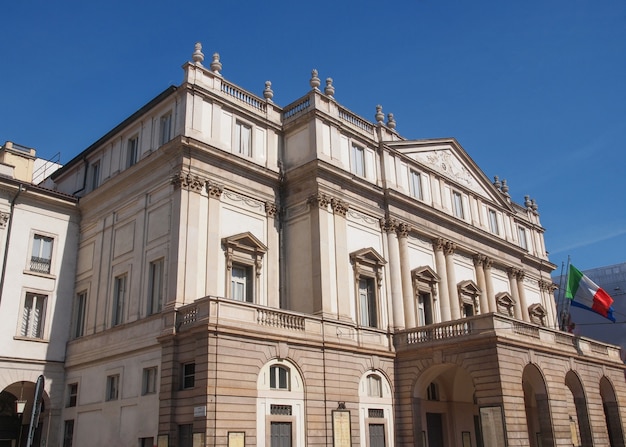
x=535 y=91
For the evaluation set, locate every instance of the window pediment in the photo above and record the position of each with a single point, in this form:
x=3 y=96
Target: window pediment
x=504 y=299
x=425 y=274
x=468 y=287
x=244 y=242
x=367 y=256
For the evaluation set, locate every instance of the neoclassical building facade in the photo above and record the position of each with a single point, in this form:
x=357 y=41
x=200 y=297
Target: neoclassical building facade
x=258 y=275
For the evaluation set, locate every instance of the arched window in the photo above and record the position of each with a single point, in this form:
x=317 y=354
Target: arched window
x=279 y=377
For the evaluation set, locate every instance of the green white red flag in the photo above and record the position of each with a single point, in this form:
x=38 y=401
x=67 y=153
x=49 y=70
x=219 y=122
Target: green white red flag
x=588 y=295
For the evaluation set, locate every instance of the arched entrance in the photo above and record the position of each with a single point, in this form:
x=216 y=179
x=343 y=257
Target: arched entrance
x=537 y=405
x=16 y=406
x=580 y=427
x=611 y=413
x=445 y=407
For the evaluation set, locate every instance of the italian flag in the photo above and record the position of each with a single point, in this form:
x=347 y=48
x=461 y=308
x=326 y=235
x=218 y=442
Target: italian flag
x=586 y=294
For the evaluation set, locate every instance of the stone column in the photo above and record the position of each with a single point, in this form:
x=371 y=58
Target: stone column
x=408 y=296
x=547 y=298
x=480 y=277
x=491 y=297
x=273 y=256
x=522 y=295
x=213 y=240
x=395 y=275
x=455 y=310
x=323 y=256
x=512 y=273
x=340 y=208
x=440 y=263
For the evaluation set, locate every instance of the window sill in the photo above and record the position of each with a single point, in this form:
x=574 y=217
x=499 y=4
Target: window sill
x=36 y=340
x=40 y=274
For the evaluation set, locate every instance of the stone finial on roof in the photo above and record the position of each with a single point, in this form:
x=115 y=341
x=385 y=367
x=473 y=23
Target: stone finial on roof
x=496 y=182
x=198 y=56
x=268 y=93
x=329 y=89
x=534 y=205
x=505 y=187
x=216 y=65
x=315 y=81
x=527 y=202
x=391 y=122
x=380 y=116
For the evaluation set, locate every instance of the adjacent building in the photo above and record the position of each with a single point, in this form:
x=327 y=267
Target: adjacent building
x=38 y=242
x=251 y=274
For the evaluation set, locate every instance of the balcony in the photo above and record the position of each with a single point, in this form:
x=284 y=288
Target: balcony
x=237 y=317
x=502 y=329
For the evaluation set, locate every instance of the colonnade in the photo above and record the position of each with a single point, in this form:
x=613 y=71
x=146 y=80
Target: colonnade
x=447 y=306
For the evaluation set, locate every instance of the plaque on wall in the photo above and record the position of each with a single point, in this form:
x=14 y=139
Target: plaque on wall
x=163 y=441
x=341 y=428
x=236 y=439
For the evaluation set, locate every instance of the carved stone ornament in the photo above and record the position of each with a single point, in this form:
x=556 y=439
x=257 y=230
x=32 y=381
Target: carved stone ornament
x=215 y=191
x=479 y=260
x=339 y=207
x=271 y=210
x=403 y=229
x=439 y=244
x=4 y=218
x=188 y=181
x=321 y=200
x=449 y=248
x=388 y=224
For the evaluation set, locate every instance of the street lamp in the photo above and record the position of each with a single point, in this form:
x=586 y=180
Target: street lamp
x=20 y=404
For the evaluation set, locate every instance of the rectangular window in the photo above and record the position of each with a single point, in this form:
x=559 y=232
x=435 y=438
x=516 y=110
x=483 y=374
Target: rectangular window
x=41 y=256
x=523 y=242
x=113 y=384
x=241 y=283
x=33 y=315
x=415 y=185
x=367 y=302
x=80 y=311
x=280 y=434
x=119 y=296
x=165 y=129
x=188 y=375
x=279 y=377
x=132 y=151
x=493 y=222
x=358 y=160
x=146 y=442
x=72 y=395
x=155 y=286
x=457 y=205
x=243 y=139
x=377 y=435
x=149 y=382
x=95 y=175
x=424 y=309
x=68 y=433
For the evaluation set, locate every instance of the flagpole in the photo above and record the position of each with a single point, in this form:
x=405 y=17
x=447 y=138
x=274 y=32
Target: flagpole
x=563 y=313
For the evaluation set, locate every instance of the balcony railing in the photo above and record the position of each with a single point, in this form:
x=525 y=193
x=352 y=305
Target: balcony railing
x=243 y=96
x=39 y=265
x=503 y=327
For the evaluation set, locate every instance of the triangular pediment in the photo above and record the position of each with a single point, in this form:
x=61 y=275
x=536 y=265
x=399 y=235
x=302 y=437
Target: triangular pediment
x=468 y=287
x=368 y=255
x=425 y=274
x=446 y=158
x=245 y=241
